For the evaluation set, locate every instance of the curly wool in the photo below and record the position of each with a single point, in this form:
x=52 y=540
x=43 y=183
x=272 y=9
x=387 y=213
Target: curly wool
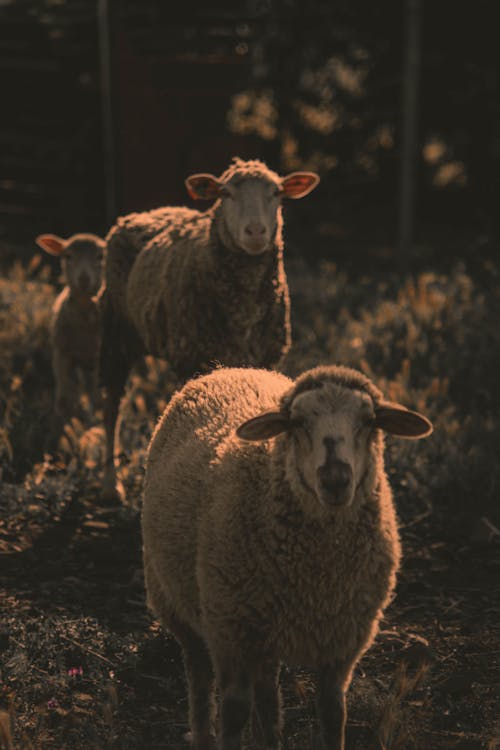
x=173 y=279
x=228 y=547
x=344 y=376
x=240 y=170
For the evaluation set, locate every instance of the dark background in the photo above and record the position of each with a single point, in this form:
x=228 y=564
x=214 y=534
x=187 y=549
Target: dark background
x=313 y=84
x=303 y=85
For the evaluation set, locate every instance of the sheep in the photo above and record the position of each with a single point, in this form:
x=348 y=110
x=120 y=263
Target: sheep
x=198 y=288
x=76 y=322
x=260 y=550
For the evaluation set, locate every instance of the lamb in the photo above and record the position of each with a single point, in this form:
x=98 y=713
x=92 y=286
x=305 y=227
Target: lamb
x=199 y=288
x=76 y=323
x=260 y=550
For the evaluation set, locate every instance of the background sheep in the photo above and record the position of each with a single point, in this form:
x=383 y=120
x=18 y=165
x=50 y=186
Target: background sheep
x=199 y=288
x=261 y=551
x=76 y=324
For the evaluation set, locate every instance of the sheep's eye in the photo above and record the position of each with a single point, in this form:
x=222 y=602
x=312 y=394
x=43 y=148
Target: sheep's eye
x=300 y=433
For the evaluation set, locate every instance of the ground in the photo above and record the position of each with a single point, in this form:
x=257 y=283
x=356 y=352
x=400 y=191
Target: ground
x=83 y=663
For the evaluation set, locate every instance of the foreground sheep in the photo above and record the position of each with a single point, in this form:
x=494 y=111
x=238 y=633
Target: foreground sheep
x=269 y=550
x=76 y=324
x=199 y=288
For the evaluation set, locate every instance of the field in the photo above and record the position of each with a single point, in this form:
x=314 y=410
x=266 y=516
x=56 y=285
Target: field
x=83 y=664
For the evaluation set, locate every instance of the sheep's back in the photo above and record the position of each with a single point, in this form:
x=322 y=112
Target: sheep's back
x=163 y=278
x=128 y=237
x=198 y=421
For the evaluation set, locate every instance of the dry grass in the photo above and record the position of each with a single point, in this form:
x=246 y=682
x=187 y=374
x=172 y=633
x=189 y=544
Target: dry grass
x=74 y=598
x=395 y=729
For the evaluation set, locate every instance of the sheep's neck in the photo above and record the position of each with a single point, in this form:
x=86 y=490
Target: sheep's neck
x=80 y=302
x=236 y=270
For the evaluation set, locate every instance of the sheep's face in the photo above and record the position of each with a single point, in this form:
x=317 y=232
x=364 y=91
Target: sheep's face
x=81 y=260
x=331 y=440
x=82 y=266
x=330 y=447
x=250 y=202
x=250 y=211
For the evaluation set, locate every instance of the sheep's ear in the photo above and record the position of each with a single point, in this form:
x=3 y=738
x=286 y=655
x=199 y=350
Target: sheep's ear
x=203 y=187
x=51 y=243
x=265 y=426
x=298 y=184
x=397 y=420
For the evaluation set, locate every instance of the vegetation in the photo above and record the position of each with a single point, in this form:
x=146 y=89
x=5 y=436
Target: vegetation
x=82 y=663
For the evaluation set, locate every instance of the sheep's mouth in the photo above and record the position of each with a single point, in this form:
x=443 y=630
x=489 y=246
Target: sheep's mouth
x=257 y=247
x=335 y=498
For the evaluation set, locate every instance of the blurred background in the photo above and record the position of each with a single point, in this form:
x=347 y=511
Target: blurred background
x=108 y=105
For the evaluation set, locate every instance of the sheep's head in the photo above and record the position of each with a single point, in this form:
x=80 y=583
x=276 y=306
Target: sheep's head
x=331 y=421
x=250 y=200
x=81 y=260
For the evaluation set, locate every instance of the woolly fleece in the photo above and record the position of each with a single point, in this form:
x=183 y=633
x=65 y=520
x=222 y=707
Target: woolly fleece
x=230 y=548
x=174 y=278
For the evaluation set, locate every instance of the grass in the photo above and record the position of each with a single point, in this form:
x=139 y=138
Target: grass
x=82 y=663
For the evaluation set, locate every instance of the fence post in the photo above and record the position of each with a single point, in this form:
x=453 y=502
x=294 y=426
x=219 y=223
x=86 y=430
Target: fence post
x=108 y=135
x=410 y=134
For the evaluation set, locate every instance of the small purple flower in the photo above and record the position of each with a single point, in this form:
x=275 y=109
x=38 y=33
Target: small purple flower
x=52 y=703
x=75 y=671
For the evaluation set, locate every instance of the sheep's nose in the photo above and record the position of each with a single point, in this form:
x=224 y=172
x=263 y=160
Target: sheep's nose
x=255 y=229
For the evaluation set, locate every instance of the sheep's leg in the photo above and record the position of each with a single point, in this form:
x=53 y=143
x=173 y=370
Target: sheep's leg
x=119 y=349
x=331 y=704
x=66 y=392
x=201 y=695
x=115 y=389
x=267 y=720
x=201 y=685
x=92 y=387
x=236 y=693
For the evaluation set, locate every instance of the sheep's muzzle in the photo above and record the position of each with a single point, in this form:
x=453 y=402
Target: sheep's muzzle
x=335 y=483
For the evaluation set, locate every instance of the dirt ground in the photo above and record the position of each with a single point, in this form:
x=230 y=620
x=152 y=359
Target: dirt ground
x=84 y=665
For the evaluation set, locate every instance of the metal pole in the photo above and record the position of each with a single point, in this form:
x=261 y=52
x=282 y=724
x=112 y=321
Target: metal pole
x=105 y=53
x=410 y=130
